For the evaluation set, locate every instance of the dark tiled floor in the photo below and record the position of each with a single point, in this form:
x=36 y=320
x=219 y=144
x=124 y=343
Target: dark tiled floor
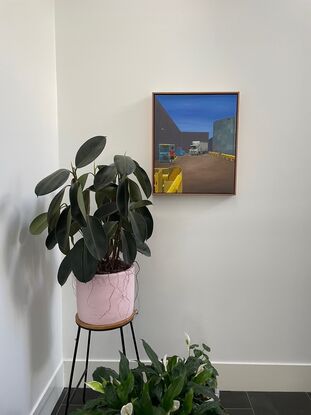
x=237 y=403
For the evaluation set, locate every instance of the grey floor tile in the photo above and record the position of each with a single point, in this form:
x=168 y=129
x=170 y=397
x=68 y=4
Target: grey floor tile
x=230 y=399
x=243 y=411
x=280 y=403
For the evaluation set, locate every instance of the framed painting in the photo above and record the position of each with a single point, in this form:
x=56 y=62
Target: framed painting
x=195 y=142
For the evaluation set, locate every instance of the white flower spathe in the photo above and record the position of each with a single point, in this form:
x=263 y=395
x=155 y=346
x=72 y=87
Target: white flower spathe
x=175 y=407
x=200 y=369
x=127 y=409
x=188 y=341
x=165 y=362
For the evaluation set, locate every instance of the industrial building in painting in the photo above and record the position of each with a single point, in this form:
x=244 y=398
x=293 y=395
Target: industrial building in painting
x=194 y=153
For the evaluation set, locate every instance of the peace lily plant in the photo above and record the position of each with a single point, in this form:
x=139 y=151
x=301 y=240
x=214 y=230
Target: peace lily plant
x=102 y=235
x=172 y=385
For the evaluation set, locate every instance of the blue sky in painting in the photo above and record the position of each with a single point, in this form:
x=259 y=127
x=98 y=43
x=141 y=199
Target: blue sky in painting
x=198 y=112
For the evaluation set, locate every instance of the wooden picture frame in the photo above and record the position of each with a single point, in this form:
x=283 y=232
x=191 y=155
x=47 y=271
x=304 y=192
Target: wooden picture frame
x=195 y=142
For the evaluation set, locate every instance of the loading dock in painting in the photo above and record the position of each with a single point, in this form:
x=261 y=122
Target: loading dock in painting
x=194 y=142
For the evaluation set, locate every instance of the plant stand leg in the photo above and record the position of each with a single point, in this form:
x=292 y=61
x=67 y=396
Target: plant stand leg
x=72 y=369
x=134 y=341
x=86 y=364
x=122 y=340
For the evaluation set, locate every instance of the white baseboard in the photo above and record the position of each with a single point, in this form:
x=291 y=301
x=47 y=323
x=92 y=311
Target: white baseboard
x=51 y=393
x=232 y=376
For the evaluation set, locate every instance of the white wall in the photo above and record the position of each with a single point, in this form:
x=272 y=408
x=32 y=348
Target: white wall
x=30 y=301
x=232 y=271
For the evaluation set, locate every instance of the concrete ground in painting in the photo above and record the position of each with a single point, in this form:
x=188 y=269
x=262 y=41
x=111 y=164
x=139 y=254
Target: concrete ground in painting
x=204 y=173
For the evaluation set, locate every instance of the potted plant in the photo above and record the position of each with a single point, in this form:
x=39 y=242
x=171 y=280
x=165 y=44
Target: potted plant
x=183 y=386
x=99 y=220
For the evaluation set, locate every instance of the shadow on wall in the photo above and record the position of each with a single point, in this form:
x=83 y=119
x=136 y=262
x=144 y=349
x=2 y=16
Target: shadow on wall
x=30 y=270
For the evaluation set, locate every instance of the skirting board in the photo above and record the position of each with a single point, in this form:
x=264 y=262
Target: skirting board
x=233 y=376
x=51 y=393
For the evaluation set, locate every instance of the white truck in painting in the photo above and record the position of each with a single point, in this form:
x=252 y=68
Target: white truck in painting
x=198 y=147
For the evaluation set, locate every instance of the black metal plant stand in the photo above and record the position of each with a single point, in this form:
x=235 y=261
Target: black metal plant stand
x=90 y=328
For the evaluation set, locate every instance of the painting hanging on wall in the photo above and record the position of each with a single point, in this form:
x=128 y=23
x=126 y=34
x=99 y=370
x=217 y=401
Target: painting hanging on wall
x=195 y=142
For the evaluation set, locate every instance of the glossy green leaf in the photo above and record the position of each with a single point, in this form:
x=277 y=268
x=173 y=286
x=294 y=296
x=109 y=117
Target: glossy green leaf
x=125 y=388
x=172 y=392
x=39 y=223
x=89 y=151
x=124 y=164
x=51 y=240
x=123 y=197
x=139 y=226
x=63 y=229
x=153 y=357
x=84 y=265
x=144 y=249
x=124 y=367
x=95 y=238
x=139 y=204
x=78 y=210
x=96 y=386
x=188 y=402
x=106 y=210
x=110 y=228
x=134 y=190
x=82 y=179
x=105 y=176
x=148 y=219
x=54 y=209
x=143 y=179
x=64 y=269
x=129 y=249
x=104 y=373
x=52 y=182
x=86 y=200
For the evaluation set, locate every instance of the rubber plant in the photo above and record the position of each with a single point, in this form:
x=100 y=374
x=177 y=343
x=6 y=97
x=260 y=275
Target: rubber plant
x=98 y=219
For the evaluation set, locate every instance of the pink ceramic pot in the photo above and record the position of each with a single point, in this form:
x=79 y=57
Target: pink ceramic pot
x=107 y=298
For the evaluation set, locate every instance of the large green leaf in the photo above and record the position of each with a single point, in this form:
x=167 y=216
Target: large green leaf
x=104 y=373
x=90 y=150
x=124 y=367
x=95 y=238
x=110 y=228
x=54 y=209
x=39 y=223
x=51 y=240
x=105 y=176
x=187 y=406
x=148 y=219
x=153 y=357
x=129 y=249
x=64 y=269
x=124 y=164
x=139 y=226
x=63 y=229
x=144 y=249
x=139 y=204
x=83 y=263
x=143 y=179
x=86 y=200
x=106 y=210
x=123 y=197
x=135 y=193
x=172 y=392
x=82 y=179
x=125 y=388
x=52 y=182
x=78 y=210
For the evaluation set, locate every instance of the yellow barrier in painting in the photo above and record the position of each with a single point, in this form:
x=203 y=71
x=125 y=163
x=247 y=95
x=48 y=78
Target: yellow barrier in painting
x=168 y=180
x=229 y=157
